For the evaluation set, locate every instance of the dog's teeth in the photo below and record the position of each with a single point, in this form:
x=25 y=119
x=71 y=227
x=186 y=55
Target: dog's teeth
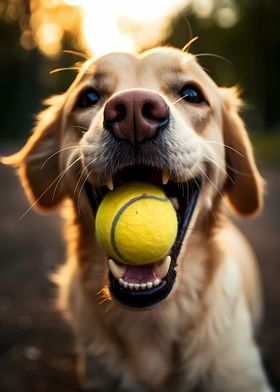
x=116 y=269
x=156 y=282
x=149 y=285
x=138 y=286
x=109 y=182
x=165 y=176
x=163 y=267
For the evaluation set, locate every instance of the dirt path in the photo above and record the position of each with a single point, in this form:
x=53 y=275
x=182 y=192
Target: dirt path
x=36 y=346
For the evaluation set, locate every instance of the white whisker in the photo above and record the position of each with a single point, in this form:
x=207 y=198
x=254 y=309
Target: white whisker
x=238 y=171
x=217 y=56
x=178 y=100
x=77 y=69
x=80 y=177
x=218 y=167
x=81 y=127
x=209 y=179
x=227 y=146
x=79 y=196
x=63 y=173
x=55 y=153
x=76 y=53
x=191 y=41
x=46 y=190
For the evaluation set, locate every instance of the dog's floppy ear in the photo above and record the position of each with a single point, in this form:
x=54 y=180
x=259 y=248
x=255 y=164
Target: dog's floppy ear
x=37 y=162
x=245 y=191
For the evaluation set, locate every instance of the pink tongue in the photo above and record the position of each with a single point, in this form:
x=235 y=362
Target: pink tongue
x=139 y=274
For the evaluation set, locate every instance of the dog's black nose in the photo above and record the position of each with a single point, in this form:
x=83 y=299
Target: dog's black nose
x=136 y=115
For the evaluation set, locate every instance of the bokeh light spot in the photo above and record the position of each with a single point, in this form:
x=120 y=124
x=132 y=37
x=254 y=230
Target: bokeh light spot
x=48 y=37
x=227 y=17
x=203 y=8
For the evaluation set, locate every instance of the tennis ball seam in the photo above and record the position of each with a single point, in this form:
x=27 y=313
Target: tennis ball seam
x=121 y=211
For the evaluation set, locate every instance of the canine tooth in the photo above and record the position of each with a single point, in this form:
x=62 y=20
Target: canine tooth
x=149 y=285
x=143 y=286
x=165 y=176
x=136 y=286
x=131 y=286
x=163 y=267
x=109 y=182
x=156 y=282
x=116 y=269
x=121 y=281
x=125 y=284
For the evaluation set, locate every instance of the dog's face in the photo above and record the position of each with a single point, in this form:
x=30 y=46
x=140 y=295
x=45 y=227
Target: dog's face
x=157 y=117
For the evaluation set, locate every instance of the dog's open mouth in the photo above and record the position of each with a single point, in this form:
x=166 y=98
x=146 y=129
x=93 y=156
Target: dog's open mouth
x=141 y=286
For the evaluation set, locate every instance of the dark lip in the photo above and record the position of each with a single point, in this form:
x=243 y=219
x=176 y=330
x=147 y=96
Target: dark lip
x=150 y=297
x=142 y=299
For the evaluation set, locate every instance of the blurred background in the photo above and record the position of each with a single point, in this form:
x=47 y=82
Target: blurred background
x=41 y=44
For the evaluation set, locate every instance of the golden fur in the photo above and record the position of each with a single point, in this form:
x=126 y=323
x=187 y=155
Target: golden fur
x=201 y=336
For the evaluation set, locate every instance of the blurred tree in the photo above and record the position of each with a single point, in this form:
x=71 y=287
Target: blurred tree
x=251 y=44
x=26 y=58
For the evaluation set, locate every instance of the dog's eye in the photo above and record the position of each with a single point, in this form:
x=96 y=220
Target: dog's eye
x=88 y=98
x=192 y=94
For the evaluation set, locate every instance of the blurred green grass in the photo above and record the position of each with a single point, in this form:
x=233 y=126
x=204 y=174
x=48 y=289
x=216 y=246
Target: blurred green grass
x=267 y=148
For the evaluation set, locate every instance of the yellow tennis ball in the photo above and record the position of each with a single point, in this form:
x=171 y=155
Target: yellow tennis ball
x=136 y=223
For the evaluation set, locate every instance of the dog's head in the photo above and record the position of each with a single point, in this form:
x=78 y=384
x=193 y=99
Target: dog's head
x=156 y=117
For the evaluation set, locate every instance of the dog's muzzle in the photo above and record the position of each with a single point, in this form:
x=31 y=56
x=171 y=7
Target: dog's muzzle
x=136 y=122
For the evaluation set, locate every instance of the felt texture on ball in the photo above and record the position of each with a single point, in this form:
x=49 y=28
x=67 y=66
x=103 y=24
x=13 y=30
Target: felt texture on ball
x=136 y=223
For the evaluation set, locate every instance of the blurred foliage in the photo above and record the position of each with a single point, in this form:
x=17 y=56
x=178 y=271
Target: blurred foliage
x=26 y=59
x=252 y=45
x=33 y=33
x=266 y=148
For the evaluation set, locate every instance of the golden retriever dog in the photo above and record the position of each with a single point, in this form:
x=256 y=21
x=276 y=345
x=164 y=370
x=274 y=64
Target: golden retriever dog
x=186 y=322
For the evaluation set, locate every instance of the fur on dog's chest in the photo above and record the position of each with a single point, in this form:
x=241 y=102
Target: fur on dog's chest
x=151 y=363
x=134 y=351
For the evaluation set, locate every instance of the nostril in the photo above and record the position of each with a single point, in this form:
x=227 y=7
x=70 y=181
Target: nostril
x=155 y=111
x=120 y=113
x=148 y=111
x=115 y=112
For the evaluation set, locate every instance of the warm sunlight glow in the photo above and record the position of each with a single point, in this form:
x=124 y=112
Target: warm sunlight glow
x=147 y=10
x=102 y=31
x=101 y=26
x=129 y=25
